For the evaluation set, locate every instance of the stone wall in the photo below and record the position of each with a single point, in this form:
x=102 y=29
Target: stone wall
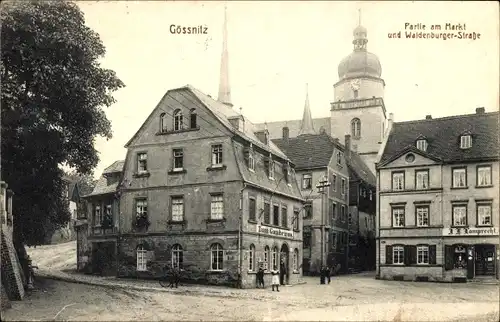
x=5 y=302
x=11 y=272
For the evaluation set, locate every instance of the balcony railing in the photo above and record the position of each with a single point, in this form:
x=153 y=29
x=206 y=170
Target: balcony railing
x=98 y=231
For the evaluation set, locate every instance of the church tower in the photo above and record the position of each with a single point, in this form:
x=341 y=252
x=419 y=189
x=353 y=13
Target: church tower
x=358 y=108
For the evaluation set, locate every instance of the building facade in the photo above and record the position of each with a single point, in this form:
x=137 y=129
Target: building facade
x=358 y=107
x=97 y=227
x=438 y=203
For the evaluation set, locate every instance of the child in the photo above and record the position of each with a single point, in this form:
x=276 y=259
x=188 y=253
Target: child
x=275 y=281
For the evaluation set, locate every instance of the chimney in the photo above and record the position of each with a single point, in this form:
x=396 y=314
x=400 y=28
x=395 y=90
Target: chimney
x=480 y=110
x=286 y=134
x=428 y=117
x=347 y=144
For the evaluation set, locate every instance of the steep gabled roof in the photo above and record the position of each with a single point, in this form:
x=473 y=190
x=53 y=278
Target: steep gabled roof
x=276 y=128
x=102 y=186
x=358 y=170
x=222 y=113
x=117 y=166
x=443 y=136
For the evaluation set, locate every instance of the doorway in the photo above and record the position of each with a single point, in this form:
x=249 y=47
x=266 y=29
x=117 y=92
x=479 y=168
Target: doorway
x=284 y=264
x=484 y=260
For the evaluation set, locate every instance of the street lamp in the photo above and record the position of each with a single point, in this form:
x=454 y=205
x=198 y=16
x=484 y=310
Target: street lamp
x=322 y=185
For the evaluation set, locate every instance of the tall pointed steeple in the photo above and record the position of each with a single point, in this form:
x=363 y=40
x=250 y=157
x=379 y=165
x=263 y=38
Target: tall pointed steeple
x=306 y=127
x=224 y=88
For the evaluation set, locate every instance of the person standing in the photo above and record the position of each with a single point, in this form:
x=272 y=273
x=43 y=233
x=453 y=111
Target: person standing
x=322 y=275
x=260 y=277
x=275 y=280
x=282 y=272
x=328 y=273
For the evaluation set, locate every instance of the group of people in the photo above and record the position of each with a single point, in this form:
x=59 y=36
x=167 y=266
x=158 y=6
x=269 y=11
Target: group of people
x=275 y=279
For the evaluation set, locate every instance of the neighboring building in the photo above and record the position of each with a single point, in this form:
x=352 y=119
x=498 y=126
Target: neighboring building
x=204 y=191
x=438 y=208
x=358 y=108
x=97 y=226
x=362 y=211
x=72 y=195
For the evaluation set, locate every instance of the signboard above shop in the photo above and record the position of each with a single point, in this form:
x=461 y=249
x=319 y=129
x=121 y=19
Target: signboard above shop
x=472 y=231
x=271 y=231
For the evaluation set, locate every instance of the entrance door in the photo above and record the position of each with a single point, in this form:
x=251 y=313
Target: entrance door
x=284 y=264
x=485 y=260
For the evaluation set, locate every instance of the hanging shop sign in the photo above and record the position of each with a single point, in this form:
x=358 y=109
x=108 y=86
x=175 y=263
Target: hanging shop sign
x=475 y=231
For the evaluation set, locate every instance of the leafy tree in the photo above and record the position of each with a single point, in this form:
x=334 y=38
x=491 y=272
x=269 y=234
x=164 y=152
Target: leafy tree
x=53 y=94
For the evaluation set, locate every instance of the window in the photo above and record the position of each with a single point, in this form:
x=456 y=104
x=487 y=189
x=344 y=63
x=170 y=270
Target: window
x=398 y=255
x=177 y=208
x=349 y=219
x=251 y=162
x=334 y=182
x=459 y=215
x=284 y=217
x=465 y=141
x=398 y=215
x=177 y=256
x=141 y=259
x=267 y=213
x=459 y=178
x=333 y=212
x=251 y=258
x=422 y=144
x=252 y=209
x=484 y=176
x=178 y=120
x=307 y=238
x=193 y=119
x=295 y=262
x=308 y=209
x=422 y=216
x=484 y=215
x=216 y=257
x=296 y=220
x=266 y=257
x=306 y=181
x=217 y=154
x=276 y=215
x=343 y=186
x=339 y=158
x=142 y=163
x=342 y=213
x=274 y=259
x=422 y=179
x=217 y=207
x=163 y=122
x=422 y=255
x=334 y=241
x=97 y=215
x=141 y=208
x=371 y=195
x=271 y=169
x=398 y=181
x=178 y=160
x=356 y=128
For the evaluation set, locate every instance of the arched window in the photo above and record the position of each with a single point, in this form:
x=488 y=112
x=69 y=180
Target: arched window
x=142 y=259
x=356 y=128
x=274 y=262
x=193 y=119
x=266 y=257
x=251 y=258
x=178 y=120
x=163 y=122
x=177 y=256
x=295 y=264
x=216 y=257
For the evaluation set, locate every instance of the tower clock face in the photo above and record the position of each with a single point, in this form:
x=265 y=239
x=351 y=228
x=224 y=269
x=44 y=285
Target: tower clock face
x=355 y=84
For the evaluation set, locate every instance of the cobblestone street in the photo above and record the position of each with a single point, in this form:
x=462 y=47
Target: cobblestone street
x=347 y=298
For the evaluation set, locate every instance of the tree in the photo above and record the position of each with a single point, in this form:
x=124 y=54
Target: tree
x=53 y=94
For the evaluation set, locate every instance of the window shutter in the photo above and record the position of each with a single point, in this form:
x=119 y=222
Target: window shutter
x=448 y=257
x=413 y=255
x=407 y=255
x=388 y=254
x=432 y=254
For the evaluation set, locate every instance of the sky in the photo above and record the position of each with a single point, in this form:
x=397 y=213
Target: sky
x=275 y=48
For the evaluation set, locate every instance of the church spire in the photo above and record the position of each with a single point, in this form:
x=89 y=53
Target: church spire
x=224 y=88
x=306 y=127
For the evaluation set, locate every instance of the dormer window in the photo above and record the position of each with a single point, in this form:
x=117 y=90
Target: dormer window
x=339 y=158
x=422 y=144
x=251 y=161
x=466 y=141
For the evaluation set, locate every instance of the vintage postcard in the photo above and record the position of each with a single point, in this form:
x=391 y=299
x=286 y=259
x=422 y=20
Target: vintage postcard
x=250 y=160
